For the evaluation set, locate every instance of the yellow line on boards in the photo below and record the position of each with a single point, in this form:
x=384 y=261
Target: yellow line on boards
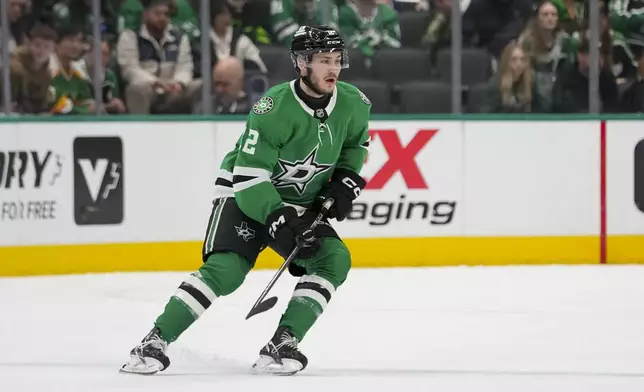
x=371 y=252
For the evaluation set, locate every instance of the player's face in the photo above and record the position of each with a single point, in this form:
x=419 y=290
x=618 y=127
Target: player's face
x=325 y=70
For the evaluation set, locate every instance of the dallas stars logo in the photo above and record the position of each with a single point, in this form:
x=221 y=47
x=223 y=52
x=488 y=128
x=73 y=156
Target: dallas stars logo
x=245 y=232
x=263 y=106
x=299 y=174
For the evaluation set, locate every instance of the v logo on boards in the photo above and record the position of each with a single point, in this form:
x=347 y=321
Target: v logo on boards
x=98 y=180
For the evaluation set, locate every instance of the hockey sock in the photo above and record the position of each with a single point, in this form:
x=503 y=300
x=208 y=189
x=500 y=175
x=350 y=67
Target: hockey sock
x=220 y=275
x=314 y=291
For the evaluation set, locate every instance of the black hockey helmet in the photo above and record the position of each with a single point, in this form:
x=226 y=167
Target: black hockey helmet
x=309 y=40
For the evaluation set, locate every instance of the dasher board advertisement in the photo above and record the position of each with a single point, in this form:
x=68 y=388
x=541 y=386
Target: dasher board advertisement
x=71 y=183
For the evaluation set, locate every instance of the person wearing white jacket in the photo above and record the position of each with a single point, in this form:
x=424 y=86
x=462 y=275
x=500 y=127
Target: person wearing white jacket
x=227 y=41
x=157 y=65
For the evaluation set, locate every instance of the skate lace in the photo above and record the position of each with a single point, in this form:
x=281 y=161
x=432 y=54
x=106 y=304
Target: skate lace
x=288 y=341
x=154 y=342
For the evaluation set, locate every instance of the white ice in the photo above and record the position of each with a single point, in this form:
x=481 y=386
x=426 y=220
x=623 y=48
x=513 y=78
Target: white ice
x=514 y=329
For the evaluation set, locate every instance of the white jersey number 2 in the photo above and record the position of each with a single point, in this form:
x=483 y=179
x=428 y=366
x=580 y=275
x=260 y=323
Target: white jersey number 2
x=251 y=140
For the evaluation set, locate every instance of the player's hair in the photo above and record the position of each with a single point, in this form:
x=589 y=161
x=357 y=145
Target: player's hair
x=521 y=89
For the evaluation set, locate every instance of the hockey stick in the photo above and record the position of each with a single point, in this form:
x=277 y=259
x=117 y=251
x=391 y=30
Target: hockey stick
x=261 y=305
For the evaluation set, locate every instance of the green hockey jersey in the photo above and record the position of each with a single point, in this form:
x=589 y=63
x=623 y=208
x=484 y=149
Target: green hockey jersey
x=623 y=64
x=627 y=16
x=286 y=153
x=381 y=29
x=286 y=18
x=71 y=89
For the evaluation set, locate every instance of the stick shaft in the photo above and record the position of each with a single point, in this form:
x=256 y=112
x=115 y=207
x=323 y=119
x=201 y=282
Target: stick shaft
x=291 y=257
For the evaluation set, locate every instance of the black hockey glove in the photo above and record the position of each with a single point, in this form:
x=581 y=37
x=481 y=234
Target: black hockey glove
x=287 y=228
x=345 y=186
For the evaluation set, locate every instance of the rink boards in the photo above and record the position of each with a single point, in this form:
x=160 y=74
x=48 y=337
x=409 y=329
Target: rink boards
x=136 y=196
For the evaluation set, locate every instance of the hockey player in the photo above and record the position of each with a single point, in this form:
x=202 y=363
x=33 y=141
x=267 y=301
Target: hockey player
x=304 y=141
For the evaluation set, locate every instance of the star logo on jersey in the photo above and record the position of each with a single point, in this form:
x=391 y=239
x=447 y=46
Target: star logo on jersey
x=245 y=232
x=263 y=106
x=300 y=173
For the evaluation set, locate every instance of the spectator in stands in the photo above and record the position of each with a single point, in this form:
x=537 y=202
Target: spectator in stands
x=288 y=15
x=548 y=47
x=368 y=26
x=512 y=89
x=250 y=18
x=492 y=24
x=227 y=41
x=111 y=91
x=182 y=17
x=79 y=12
x=30 y=75
x=439 y=28
x=228 y=82
x=17 y=9
x=156 y=64
x=632 y=100
x=70 y=84
x=571 y=14
x=627 y=17
x=620 y=60
x=407 y=5
x=571 y=90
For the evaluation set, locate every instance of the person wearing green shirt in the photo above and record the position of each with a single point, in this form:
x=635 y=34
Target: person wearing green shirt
x=368 y=25
x=70 y=85
x=112 y=100
x=627 y=16
x=288 y=15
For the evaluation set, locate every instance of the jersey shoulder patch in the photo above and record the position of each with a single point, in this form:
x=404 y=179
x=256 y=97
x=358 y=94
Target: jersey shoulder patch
x=363 y=97
x=264 y=105
x=271 y=100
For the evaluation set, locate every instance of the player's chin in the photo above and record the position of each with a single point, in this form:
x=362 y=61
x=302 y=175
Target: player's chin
x=328 y=85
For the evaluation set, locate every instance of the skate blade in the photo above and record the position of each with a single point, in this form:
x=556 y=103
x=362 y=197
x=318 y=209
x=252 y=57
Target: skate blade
x=144 y=367
x=267 y=366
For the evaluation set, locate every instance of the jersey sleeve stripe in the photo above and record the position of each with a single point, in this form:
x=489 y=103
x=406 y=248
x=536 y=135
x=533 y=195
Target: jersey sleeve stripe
x=246 y=177
x=223 y=182
x=240 y=186
x=251 y=172
x=242 y=179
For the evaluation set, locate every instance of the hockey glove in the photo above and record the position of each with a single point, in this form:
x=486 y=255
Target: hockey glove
x=345 y=186
x=286 y=228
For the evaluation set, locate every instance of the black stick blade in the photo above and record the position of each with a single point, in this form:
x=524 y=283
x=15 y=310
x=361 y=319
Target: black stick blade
x=262 y=307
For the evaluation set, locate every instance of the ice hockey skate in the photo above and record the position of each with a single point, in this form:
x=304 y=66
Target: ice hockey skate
x=280 y=356
x=148 y=357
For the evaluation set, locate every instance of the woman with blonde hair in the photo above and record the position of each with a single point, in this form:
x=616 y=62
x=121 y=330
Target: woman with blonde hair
x=548 y=46
x=511 y=90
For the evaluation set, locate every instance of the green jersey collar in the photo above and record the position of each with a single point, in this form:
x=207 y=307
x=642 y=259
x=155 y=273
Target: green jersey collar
x=329 y=107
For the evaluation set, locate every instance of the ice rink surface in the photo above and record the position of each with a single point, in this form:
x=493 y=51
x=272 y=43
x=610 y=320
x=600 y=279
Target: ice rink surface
x=461 y=329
